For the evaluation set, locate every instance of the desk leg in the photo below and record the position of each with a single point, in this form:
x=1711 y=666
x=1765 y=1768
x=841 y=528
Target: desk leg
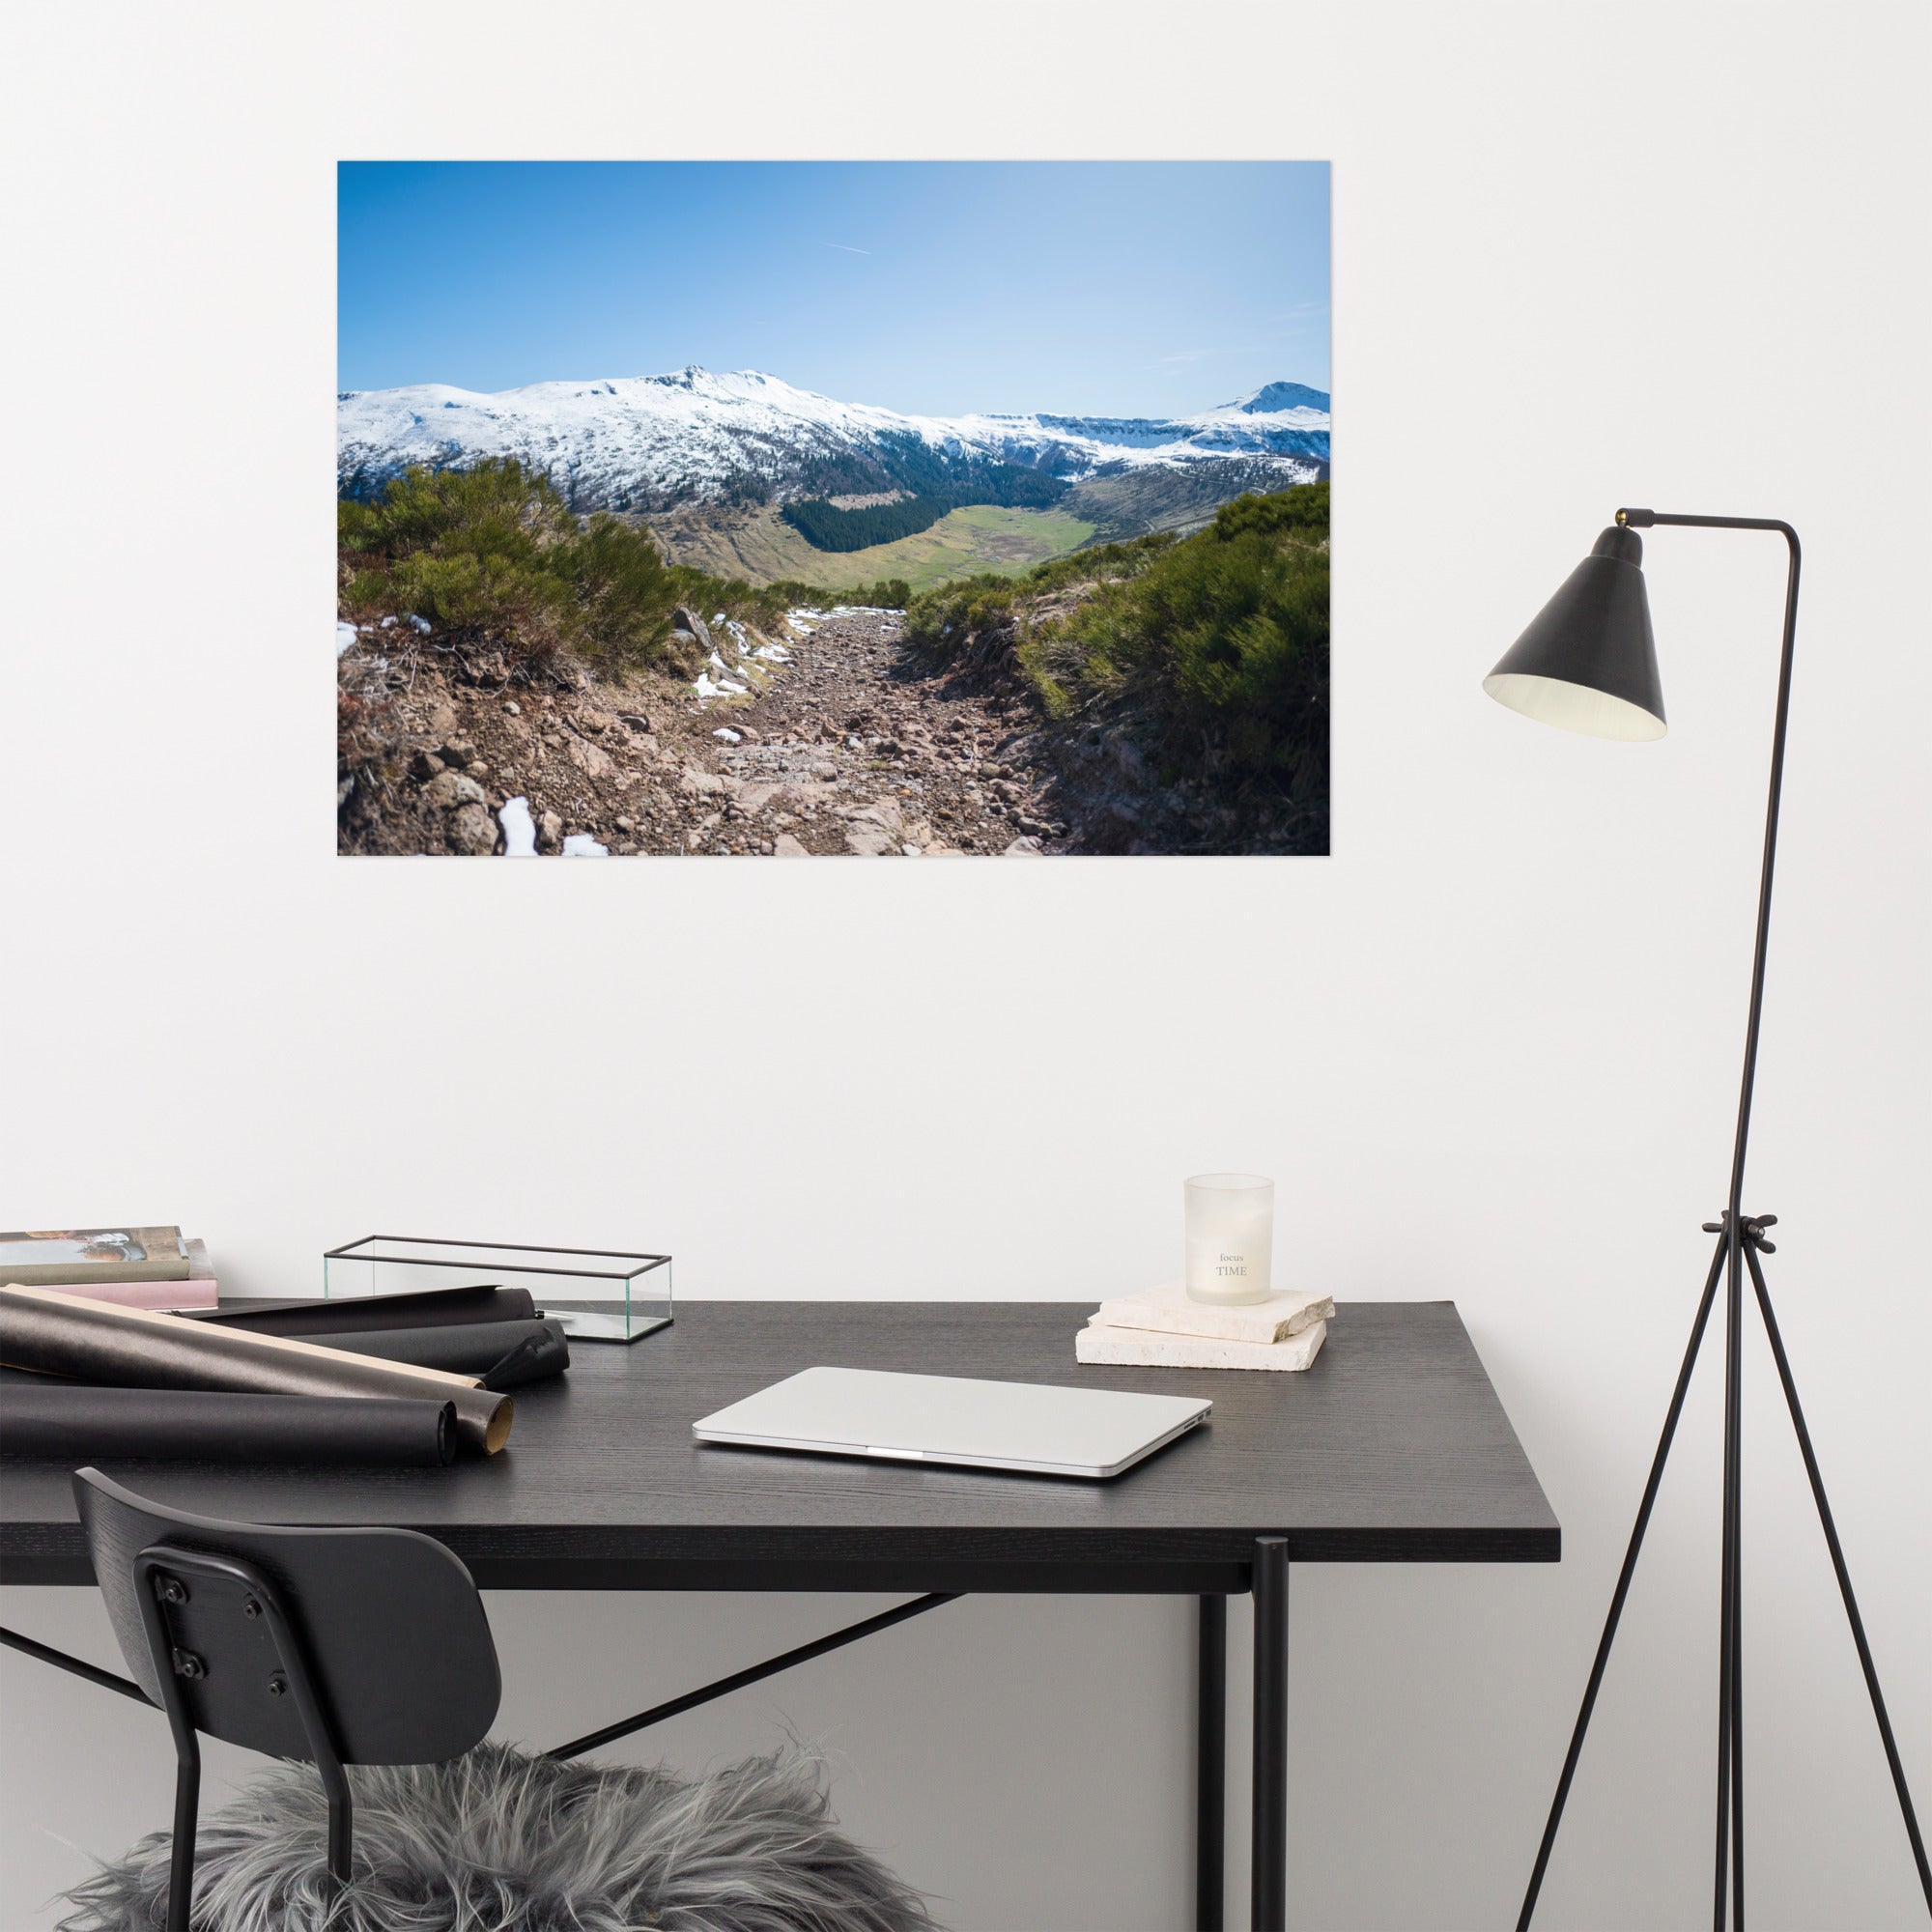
x=1269 y=1892
x=1210 y=1766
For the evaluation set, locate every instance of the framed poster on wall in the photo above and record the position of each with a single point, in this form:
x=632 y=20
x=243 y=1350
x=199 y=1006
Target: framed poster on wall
x=814 y=509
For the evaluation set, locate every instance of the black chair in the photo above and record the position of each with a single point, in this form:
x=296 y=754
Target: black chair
x=330 y=1646
x=371 y=1647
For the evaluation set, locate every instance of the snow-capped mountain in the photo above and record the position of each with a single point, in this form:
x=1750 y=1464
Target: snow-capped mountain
x=647 y=441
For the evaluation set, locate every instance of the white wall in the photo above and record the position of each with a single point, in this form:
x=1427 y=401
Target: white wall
x=1582 y=257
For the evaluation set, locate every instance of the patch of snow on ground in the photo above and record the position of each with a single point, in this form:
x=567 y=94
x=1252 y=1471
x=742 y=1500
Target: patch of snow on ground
x=773 y=654
x=720 y=619
x=345 y=635
x=389 y=623
x=730 y=736
x=705 y=687
x=420 y=624
x=520 y=831
x=581 y=845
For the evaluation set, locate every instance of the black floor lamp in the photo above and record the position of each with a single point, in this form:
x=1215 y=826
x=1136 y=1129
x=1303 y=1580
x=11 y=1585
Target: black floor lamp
x=1588 y=663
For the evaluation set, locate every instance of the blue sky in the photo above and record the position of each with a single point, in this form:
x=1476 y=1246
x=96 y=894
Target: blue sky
x=1109 y=288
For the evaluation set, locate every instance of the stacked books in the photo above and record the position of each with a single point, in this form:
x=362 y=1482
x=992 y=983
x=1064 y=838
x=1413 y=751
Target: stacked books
x=1162 y=1328
x=132 y=1267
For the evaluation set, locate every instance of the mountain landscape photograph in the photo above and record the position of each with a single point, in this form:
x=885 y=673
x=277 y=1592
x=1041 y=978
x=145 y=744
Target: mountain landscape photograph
x=906 y=509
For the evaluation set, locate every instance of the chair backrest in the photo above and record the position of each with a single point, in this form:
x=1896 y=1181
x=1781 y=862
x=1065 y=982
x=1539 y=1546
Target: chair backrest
x=392 y=1633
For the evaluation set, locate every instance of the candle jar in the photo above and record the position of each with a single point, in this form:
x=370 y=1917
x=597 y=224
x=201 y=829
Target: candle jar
x=1229 y=1236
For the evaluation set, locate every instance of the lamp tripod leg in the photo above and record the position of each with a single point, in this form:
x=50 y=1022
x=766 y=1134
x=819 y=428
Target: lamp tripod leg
x=1621 y=1590
x=1844 y=1575
x=1729 y=1876
x=1737 y=1461
x=1736 y=1454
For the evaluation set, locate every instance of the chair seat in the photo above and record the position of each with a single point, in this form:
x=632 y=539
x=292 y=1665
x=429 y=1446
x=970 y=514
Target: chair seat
x=498 y=1841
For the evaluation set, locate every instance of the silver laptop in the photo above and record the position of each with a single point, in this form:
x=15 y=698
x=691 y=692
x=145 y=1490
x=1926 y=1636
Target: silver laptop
x=980 y=1425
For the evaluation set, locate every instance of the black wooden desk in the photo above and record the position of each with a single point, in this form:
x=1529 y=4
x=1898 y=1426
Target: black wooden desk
x=1391 y=1448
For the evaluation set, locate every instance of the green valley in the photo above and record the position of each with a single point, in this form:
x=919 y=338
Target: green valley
x=760 y=546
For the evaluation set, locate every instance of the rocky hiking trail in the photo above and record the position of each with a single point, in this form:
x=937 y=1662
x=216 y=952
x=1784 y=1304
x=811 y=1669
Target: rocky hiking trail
x=839 y=742
x=835 y=743
x=849 y=751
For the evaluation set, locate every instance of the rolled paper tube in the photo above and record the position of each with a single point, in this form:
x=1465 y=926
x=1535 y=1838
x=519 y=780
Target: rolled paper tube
x=364 y=1314
x=136 y=1347
x=465 y=1349
x=524 y=1363
x=71 y=1424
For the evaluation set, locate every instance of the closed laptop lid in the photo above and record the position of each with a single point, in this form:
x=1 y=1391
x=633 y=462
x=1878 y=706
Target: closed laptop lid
x=953 y=1419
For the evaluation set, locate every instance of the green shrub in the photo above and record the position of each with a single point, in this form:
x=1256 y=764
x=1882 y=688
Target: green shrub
x=495 y=508
x=1218 y=642
x=494 y=554
x=1306 y=507
x=624 y=593
x=1224 y=639
x=472 y=595
x=940 y=619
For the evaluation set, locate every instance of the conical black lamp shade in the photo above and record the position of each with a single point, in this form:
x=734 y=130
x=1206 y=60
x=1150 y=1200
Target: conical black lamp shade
x=1588 y=662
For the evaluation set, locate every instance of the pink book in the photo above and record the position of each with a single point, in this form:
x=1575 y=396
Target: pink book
x=160 y=1295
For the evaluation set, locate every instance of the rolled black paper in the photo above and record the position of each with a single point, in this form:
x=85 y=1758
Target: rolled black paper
x=137 y=1347
x=363 y=1314
x=466 y=1348
x=524 y=1363
x=66 y=1422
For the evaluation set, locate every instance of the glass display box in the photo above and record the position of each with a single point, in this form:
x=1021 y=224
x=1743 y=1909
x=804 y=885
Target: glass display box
x=597 y=1294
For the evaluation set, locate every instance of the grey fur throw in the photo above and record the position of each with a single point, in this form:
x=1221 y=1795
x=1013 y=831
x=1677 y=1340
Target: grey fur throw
x=496 y=1842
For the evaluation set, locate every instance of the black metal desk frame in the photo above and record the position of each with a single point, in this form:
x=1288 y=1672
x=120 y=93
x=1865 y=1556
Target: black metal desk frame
x=1271 y=1730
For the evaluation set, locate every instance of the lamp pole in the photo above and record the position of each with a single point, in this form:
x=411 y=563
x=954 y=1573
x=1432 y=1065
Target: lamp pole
x=1643 y=519
x=1730 y=1642
x=1741 y=1239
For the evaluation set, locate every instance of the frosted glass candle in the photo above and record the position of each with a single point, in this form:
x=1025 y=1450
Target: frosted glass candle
x=1229 y=1236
